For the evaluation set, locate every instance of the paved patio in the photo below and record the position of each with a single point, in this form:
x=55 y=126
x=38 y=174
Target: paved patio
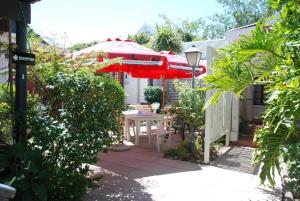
x=143 y=174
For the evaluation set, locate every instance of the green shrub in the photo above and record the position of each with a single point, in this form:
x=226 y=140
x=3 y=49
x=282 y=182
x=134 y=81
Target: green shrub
x=81 y=119
x=189 y=109
x=292 y=158
x=5 y=115
x=181 y=152
x=85 y=112
x=5 y=123
x=30 y=174
x=153 y=94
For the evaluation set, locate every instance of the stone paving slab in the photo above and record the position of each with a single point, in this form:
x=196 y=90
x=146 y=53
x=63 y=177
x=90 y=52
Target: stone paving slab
x=129 y=176
x=237 y=159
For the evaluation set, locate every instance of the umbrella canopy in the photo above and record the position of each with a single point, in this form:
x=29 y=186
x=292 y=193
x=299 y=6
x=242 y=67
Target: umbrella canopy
x=178 y=68
x=134 y=56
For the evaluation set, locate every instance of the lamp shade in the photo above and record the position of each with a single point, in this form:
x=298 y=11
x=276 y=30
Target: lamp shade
x=193 y=56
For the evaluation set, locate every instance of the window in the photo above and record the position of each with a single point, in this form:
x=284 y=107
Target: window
x=150 y=82
x=259 y=96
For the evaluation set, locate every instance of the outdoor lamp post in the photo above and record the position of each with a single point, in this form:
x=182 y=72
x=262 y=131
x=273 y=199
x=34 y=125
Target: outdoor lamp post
x=193 y=56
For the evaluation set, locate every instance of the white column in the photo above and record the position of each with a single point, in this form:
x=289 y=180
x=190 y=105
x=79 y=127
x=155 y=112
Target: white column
x=210 y=54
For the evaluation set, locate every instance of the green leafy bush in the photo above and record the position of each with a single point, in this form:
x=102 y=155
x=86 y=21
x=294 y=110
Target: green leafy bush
x=189 y=109
x=153 y=94
x=80 y=119
x=30 y=174
x=86 y=110
x=5 y=115
x=141 y=38
x=292 y=158
x=269 y=55
x=75 y=115
x=181 y=152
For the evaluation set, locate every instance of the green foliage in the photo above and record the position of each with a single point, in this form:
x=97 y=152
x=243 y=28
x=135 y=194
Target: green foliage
x=72 y=141
x=247 y=11
x=270 y=55
x=153 y=94
x=292 y=158
x=166 y=38
x=247 y=61
x=187 y=30
x=244 y=126
x=5 y=116
x=5 y=122
x=236 y=13
x=31 y=178
x=189 y=109
x=181 y=152
x=61 y=151
x=80 y=46
x=75 y=115
x=216 y=25
x=141 y=38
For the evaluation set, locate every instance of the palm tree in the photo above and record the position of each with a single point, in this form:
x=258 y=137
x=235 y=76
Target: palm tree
x=166 y=38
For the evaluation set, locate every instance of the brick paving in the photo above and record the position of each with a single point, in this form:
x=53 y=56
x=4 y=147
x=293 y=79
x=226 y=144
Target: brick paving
x=142 y=174
x=237 y=159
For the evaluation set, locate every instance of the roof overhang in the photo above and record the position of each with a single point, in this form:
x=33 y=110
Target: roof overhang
x=19 y=10
x=29 y=1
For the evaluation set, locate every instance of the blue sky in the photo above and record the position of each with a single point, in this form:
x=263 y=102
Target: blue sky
x=88 y=20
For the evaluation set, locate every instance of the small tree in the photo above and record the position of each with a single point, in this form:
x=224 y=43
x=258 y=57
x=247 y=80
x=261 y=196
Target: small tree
x=141 y=38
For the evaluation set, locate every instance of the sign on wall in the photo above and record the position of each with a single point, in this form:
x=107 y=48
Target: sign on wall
x=23 y=58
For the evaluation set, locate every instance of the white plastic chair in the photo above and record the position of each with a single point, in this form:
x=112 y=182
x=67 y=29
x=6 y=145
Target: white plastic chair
x=163 y=131
x=155 y=106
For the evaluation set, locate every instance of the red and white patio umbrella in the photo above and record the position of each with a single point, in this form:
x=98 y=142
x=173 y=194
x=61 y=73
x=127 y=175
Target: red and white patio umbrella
x=134 y=56
x=142 y=62
x=178 y=68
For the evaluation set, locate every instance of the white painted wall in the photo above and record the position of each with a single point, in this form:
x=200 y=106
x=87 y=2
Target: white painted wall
x=143 y=85
x=218 y=118
x=130 y=87
x=234 y=34
x=134 y=89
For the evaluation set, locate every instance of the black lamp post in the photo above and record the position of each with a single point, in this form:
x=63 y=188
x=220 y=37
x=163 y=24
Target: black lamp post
x=193 y=56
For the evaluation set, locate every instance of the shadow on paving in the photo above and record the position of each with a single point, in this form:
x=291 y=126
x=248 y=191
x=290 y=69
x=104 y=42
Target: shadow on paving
x=237 y=159
x=114 y=187
x=140 y=162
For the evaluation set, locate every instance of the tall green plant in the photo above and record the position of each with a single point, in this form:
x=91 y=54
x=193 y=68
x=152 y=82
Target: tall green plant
x=189 y=108
x=271 y=56
x=165 y=38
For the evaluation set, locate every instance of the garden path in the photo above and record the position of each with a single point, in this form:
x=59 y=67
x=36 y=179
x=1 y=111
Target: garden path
x=143 y=174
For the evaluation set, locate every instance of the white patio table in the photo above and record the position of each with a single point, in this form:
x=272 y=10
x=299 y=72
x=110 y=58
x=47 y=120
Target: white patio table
x=138 y=117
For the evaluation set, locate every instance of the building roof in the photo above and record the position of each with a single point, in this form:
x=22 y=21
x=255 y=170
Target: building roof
x=243 y=27
x=29 y=1
x=202 y=45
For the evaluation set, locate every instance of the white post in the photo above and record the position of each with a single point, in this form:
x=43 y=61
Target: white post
x=210 y=54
